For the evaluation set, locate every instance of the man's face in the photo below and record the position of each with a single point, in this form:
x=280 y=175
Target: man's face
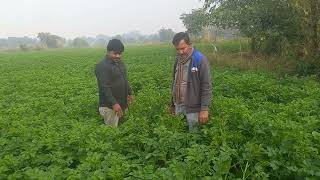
x=115 y=56
x=183 y=49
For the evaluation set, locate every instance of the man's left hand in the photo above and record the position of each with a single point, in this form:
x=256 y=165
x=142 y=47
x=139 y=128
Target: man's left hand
x=203 y=117
x=130 y=99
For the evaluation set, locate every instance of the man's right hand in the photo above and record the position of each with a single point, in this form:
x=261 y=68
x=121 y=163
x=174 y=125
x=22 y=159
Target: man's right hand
x=172 y=110
x=117 y=109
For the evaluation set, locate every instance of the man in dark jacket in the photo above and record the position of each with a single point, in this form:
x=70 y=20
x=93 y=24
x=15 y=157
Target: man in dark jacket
x=191 y=86
x=114 y=90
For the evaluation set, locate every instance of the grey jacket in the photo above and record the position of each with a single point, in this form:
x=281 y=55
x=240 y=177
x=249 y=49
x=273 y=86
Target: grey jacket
x=199 y=85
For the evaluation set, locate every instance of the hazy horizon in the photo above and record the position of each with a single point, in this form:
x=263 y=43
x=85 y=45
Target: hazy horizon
x=75 y=18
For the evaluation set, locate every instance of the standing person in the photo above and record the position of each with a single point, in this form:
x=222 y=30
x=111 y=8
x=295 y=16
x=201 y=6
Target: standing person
x=191 y=86
x=114 y=90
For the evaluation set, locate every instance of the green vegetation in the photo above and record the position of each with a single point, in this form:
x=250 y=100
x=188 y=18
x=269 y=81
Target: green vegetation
x=261 y=126
x=287 y=28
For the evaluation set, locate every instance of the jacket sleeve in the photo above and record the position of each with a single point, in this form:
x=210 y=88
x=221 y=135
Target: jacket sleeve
x=205 y=84
x=104 y=84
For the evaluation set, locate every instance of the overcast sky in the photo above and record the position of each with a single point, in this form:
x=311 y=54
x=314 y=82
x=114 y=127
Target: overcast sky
x=73 y=18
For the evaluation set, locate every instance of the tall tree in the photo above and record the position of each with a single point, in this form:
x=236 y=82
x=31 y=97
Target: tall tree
x=80 y=43
x=196 y=21
x=166 y=35
x=51 y=41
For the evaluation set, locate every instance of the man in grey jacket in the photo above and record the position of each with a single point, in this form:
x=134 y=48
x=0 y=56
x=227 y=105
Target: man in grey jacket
x=191 y=86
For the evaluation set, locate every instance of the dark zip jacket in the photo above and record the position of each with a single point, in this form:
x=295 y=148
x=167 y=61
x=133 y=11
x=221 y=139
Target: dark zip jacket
x=113 y=85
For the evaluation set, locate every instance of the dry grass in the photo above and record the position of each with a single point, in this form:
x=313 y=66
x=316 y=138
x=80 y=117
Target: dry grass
x=247 y=61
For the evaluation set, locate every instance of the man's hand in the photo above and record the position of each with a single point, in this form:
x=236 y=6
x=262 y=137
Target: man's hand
x=203 y=117
x=130 y=99
x=172 y=110
x=117 y=109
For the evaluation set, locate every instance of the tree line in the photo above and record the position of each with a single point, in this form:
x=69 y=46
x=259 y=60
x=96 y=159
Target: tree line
x=48 y=40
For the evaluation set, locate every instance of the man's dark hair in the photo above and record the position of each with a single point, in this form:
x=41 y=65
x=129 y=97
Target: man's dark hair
x=180 y=36
x=115 y=45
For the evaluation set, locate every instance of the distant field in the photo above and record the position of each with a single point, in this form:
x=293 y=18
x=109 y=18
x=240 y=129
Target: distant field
x=261 y=126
